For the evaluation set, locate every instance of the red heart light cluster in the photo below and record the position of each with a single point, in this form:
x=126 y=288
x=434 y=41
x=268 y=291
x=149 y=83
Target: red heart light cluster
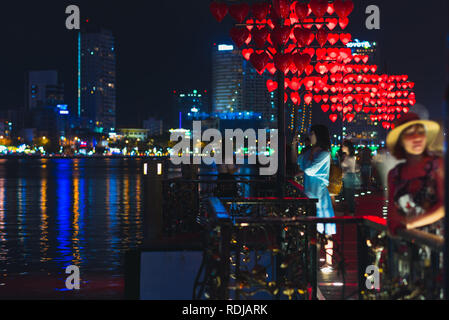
x=309 y=48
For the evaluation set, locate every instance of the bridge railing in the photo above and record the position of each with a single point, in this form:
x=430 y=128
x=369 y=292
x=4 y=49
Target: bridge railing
x=268 y=249
x=183 y=199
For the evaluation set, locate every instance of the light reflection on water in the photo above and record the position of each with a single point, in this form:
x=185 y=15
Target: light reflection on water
x=60 y=212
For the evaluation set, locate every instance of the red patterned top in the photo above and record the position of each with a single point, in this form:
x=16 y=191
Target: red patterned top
x=415 y=190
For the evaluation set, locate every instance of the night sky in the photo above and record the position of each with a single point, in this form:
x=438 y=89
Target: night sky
x=166 y=45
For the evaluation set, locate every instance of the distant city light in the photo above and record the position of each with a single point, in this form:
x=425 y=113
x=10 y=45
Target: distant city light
x=225 y=47
x=360 y=44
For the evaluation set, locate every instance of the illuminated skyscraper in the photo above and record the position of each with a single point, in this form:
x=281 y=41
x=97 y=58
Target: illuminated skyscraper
x=227 y=79
x=237 y=87
x=97 y=80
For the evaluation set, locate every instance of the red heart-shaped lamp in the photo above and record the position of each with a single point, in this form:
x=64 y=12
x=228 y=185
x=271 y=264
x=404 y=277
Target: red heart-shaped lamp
x=302 y=36
x=239 y=11
x=280 y=35
x=302 y=10
x=271 y=85
x=282 y=62
x=343 y=8
x=319 y=7
x=260 y=10
x=281 y=8
x=260 y=36
x=239 y=35
x=219 y=10
x=321 y=37
x=259 y=61
x=301 y=61
x=333 y=117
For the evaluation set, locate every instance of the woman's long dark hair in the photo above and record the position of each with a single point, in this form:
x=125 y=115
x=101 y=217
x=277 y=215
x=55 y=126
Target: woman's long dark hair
x=350 y=147
x=322 y=136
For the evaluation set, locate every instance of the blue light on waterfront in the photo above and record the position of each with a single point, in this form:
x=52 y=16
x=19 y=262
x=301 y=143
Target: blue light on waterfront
x=64 y=238
x=79 y=74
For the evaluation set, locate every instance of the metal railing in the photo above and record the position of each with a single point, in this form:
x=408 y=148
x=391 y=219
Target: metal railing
x=183 y=199
x=273 y=253
x=256 y=245
x=254 y=255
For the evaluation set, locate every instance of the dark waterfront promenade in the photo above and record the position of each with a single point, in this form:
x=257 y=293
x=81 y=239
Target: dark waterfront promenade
x=331 y=284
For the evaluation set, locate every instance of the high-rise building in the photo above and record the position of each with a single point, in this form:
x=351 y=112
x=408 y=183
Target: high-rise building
x=236 y=85
x=227 y=79
x=43 y=89
x=47 y=111
x=97 y=80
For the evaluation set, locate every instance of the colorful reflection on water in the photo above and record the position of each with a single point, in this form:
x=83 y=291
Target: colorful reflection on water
x=61 y=212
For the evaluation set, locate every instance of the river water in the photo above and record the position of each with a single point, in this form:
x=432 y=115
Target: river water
x=60 y=212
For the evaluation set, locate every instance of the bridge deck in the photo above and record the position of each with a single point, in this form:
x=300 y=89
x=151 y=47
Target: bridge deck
x=331 y=284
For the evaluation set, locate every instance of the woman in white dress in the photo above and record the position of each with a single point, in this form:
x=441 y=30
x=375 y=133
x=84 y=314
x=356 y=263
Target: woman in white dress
x=315 y=163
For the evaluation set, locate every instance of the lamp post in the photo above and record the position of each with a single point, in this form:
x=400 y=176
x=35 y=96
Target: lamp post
x=282 y=161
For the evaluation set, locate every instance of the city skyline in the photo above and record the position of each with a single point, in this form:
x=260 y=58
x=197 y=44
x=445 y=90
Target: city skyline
x=152 y=63
x=244 y=151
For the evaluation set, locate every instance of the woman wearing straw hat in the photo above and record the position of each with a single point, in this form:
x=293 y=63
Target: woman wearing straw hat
x=415 y=186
